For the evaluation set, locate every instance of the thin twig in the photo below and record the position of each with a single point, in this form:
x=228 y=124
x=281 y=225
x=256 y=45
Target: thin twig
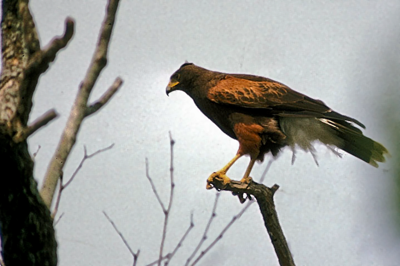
x=234 y=218
x=156 y=261
x=59 y=218
x=64 y=186
x=77 y=114
x=153 y=187
x=169 y=256
x=85 y=157
x=171 y=196
x=36 y=152
x=94 y=107
x=204 y=237
x=181 y=241
x=60 y=189
x=134 y=255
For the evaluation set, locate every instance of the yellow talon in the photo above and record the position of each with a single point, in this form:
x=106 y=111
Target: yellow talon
x=246 y=180
x=217 y=175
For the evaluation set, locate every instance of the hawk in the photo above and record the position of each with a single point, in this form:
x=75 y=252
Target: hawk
x=265 y=115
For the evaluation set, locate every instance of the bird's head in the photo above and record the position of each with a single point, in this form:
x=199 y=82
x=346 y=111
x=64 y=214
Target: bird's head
x=182 y=78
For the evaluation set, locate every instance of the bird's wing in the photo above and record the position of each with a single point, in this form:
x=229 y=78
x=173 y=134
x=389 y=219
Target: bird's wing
x=254 y=92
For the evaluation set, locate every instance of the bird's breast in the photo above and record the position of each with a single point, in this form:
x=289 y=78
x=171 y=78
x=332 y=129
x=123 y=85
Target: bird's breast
x=219 y=114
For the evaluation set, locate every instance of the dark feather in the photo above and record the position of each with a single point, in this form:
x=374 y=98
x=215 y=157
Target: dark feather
x=266 y=115
x=261 y=93
x=355 y=143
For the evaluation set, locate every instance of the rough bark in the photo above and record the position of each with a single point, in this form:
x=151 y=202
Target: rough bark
x=81 y=109
x=26 y=227
x=27 y=233
x=265 y=201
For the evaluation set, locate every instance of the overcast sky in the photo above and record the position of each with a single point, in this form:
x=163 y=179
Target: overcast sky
x=345 y=53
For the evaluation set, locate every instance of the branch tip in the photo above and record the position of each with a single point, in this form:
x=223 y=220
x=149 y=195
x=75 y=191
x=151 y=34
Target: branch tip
x=105 y=98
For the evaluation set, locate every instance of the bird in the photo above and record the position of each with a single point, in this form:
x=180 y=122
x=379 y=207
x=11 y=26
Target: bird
x=265 y=116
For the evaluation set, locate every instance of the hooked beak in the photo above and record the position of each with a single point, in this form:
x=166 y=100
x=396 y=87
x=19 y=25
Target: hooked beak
x=171 y=85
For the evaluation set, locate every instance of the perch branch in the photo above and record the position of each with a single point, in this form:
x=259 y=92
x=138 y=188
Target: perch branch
x=134 y=255
x=234 y=219
x=264 y=196
x=64 y=186
x=77 y=114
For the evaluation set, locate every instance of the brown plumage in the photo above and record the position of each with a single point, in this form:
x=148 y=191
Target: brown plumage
x=265 y=115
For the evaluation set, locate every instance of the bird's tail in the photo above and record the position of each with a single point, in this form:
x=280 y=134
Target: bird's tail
x=354 y=142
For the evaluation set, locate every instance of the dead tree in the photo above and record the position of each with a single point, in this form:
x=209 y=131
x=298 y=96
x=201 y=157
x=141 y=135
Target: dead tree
x=26 y=226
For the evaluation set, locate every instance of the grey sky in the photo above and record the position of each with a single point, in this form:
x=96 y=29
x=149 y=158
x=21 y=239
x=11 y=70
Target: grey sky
x=343 y=52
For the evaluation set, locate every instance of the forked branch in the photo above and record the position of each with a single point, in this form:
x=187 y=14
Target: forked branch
x=64 y=186
x=171 y=196
x=233 y=220
x=264 y=196
x=204 y=237
x=80 y=107
x=135 y=255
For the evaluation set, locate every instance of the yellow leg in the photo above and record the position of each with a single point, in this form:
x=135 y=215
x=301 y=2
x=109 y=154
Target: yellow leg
x=222 y=173
x=246 y=178
x=228 y=165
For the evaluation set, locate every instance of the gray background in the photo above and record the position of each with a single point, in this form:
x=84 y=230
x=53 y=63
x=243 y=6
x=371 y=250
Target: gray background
x=343 y=52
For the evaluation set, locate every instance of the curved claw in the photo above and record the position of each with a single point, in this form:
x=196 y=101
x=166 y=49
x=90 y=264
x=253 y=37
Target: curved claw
x=220 y=176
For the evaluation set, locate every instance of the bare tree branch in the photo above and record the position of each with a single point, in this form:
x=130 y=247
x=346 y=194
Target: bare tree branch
x=204 y=237
x=36 y=152
x=180 y=241
x=58 y=220
x=153 y=187
x=219 y=237
x=234 y=219
x=264 y=196
x=78 y=111
x=156 y=261
x=169 y=256
x=64 y=186
x=104 y=98
x=38 y=123
x=171 y=196
x=39 y=63
x=134 y=255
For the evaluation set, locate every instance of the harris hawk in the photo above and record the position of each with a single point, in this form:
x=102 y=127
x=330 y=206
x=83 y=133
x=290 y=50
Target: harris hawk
x=265 y=115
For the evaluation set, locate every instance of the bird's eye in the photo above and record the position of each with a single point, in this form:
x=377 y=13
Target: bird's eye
x=178 y=76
